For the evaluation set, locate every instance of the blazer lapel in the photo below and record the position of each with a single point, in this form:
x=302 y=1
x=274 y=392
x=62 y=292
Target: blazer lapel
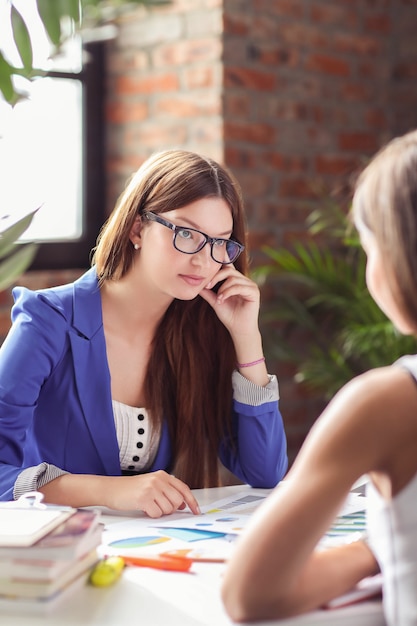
x=91 y=370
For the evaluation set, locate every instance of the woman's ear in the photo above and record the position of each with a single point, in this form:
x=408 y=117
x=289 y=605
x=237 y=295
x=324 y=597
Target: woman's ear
x=135 y=232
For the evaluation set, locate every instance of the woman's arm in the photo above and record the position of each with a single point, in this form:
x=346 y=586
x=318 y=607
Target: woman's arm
x=236 y=304
x=257 y=453
x=28 y=355
x=275 y=571
x=155 y=493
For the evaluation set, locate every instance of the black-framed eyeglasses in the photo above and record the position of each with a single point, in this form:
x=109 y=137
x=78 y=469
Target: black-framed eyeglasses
x=189 y=241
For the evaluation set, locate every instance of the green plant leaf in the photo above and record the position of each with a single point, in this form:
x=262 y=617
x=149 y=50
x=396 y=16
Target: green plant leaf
x=9 y=236
x=71 y=8
x=16 y=263
x=22 y=38
x=6 y=84
x=51 y=17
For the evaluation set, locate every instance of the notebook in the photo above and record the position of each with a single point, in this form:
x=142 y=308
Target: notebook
x=25 y=521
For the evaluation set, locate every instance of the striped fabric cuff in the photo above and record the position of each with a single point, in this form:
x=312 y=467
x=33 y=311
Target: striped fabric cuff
x=34 y=477
x=246 y=392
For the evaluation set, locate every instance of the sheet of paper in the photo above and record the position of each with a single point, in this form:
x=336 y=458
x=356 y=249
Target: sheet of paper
x=212 y=535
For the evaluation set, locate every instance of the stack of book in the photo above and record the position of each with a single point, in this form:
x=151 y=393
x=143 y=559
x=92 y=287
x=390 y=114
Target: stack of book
x=45 y=554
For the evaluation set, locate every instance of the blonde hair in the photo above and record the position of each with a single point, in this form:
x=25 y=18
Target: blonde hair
x=385 y=203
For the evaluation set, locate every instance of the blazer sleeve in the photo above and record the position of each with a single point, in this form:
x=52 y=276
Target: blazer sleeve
x=30 y=352
x=257 y=450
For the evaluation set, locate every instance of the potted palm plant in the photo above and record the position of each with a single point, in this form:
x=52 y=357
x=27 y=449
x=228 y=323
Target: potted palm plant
x=322 y=317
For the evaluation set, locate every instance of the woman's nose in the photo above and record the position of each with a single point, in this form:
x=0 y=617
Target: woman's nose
x=203 y=256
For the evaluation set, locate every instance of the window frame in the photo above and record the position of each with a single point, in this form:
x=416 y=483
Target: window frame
x=72 y=254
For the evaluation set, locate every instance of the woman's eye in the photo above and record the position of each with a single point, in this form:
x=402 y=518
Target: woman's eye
x=185 y=234
x=220 y=243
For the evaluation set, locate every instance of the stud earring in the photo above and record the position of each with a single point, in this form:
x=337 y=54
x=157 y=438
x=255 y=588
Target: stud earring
x=136 y=246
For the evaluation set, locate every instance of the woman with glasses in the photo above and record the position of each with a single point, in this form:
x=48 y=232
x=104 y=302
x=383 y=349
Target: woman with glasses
x=128 y=387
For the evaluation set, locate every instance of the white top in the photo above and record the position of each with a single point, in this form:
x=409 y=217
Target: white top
x=137 y=449
x=392 y=528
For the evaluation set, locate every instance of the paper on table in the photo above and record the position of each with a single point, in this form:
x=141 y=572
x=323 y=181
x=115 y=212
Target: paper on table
x=207 y=537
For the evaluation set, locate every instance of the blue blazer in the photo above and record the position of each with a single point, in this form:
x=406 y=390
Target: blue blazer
x=56 y=405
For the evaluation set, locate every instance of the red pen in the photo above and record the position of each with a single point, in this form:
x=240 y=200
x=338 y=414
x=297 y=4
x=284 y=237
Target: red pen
x=174 y=564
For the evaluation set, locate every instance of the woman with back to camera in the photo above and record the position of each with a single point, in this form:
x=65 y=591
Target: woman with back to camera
x=370 y=427
x=125 y=388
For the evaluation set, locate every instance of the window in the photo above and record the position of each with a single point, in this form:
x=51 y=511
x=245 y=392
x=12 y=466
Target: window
x=52 y=154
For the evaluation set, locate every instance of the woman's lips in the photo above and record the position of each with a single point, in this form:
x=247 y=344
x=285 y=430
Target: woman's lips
x=194 y=281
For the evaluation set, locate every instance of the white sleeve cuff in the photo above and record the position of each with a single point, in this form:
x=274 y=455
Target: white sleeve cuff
x=247 y=392
x=34 y=477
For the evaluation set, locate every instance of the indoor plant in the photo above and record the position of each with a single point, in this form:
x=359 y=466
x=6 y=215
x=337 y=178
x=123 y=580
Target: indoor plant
x=321 y=317
x=15 y=257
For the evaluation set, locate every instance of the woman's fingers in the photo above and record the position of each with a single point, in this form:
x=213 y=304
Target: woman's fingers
x=162 y=494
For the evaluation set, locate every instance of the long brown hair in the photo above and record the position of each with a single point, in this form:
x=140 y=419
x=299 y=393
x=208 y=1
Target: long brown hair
x=188 y=379
x=385 y=202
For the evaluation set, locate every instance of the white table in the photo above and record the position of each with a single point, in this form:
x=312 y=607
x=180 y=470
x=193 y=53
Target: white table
x=150 y=597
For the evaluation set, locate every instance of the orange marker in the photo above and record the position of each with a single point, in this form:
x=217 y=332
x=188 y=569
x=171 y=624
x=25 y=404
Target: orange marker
x=174 y=564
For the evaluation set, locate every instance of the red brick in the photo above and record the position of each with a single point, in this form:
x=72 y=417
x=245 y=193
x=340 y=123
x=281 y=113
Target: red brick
x=280 y=8
x=126 y=112
x=358 y=141
x=159 y=83
x=249 y=79
x=202 y=133
x=201 y=77
x=297 y=34
x=405 y=70
x=124 y=62
x=335 y=165
x=258 y=239
x=250 y=132
x=356 y=91
x=156 y=136
x=378 y=23
x=376 y=118
x=328 y=65
x=185 y=52
x=285 y=162
x=287 y=109
x=273 y=54
x=257 y=183
x=188 y=106
x=282 y=212
x=236 y=24
x=298 y=188
x=237 y=106
x=328 y=14
x=240 y=157
x=357 y=43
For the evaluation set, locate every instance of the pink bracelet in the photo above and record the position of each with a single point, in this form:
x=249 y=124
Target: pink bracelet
x=240 y=365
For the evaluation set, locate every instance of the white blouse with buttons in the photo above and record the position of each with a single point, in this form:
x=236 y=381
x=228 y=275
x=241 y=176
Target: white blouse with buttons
x=134 y=434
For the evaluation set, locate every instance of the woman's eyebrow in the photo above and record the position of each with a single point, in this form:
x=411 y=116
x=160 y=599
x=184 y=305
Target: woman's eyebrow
x=193 y=225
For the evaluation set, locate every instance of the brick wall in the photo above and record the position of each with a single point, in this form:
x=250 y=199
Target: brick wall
x=311 y=88
x=291 y=94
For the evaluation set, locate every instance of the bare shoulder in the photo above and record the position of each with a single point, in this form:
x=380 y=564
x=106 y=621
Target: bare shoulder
x=388 y=391
x=378 y=391
x=365 y=425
